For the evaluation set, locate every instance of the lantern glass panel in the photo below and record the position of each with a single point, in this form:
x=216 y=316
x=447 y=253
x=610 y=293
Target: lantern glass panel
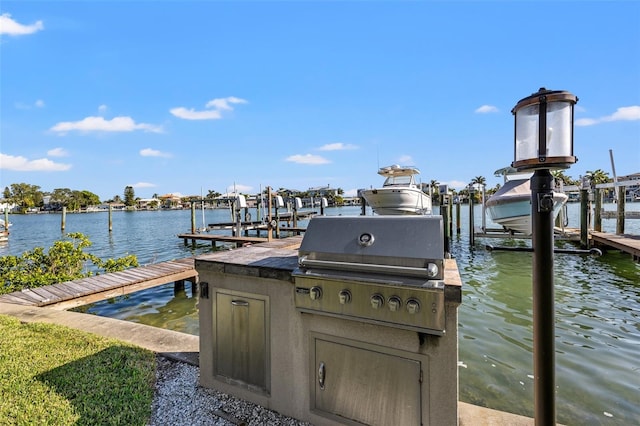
x=559 y=129
x=527 y=133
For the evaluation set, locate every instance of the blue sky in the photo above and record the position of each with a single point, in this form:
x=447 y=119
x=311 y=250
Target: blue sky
x=179 y=97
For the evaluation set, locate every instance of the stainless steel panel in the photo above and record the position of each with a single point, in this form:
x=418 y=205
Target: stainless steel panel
x=368 y=386
x=407 y=241
x=380 y=303
x=241 y=339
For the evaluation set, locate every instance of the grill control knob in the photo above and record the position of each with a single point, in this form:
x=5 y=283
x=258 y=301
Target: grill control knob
x=394 y=303
x=413 y=306
x=377 y=301
x=315 y=293
x=344 y=296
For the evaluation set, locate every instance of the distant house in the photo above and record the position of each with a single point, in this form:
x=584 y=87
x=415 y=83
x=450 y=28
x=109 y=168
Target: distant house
x=148 y=203
x=322 y=191
x=170 y=201
x=632 y=192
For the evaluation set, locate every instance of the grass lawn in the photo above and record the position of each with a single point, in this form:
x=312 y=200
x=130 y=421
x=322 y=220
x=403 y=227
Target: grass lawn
x=54 y=375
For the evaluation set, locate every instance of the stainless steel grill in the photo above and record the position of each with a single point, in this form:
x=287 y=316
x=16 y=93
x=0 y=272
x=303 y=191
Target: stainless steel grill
x=386 y=270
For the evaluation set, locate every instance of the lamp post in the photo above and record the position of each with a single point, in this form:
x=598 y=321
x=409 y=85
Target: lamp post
x=543 y=141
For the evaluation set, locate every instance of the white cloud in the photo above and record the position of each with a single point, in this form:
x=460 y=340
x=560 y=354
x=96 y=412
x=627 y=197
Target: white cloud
x=99 y=124
x=630 y=113
x=457 y=184
x=238 y=187
x=37 y=104
x=22 y=164
x=13 y=28
x=218 y=105
x=149 y=152
x=585 y=122
x=307 y=159
x=486 y=109
x=102 y=109
x=223 y=103
x=143 y=185
x=337 y=146
x=191 y=114
x=57 y=152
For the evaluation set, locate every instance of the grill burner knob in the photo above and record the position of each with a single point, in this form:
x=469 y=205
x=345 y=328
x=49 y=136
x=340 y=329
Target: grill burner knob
x=315 y=293
x=377 y=301
x=413 y=306
x=344 y=296
x=394 y=303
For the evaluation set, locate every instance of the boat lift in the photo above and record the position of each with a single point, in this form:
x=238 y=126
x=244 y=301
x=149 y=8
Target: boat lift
x=560 y=232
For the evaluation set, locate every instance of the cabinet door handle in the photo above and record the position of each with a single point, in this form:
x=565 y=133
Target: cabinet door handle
x=321 y=375
x=239 y=303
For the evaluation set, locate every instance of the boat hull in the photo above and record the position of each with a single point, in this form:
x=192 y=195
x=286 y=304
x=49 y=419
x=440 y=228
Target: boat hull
x=510 y=206
x=398 y=201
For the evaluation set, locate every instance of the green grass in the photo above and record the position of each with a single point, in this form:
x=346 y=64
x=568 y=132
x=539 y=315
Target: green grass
x=54 y=375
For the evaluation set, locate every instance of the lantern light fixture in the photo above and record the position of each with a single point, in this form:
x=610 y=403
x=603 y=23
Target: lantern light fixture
x=544 y=131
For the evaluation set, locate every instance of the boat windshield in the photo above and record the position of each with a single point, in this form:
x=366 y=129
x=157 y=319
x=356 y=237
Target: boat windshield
x=399 y=181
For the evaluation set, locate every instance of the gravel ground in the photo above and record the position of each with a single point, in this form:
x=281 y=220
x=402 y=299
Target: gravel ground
x=179 y=400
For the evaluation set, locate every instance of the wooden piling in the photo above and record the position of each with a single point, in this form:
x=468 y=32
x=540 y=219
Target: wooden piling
x=110 y=217
x=63 y=220
x=472 y=232
x=458 y=225
x=584 y=218
x=193 y=217
x=269 y=204
x=621 y=205
x=597 y=216
x=450 y=209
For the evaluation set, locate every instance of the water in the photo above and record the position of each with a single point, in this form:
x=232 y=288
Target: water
x=597 y=308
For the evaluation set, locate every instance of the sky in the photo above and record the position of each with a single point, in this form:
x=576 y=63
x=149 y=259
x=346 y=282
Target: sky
x=185 y=97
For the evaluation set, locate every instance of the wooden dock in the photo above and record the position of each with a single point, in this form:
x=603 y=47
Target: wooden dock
x=627 y=243
x=83 y=291
x=213 y=238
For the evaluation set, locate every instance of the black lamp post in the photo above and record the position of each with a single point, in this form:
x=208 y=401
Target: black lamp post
x=543 y=141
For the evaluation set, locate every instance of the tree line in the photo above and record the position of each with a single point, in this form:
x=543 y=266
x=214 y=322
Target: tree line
x=27 y=197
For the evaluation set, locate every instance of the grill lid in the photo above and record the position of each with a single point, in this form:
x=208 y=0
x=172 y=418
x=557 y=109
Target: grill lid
x=396 y=245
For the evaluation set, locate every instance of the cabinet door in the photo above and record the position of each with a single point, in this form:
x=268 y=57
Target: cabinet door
x=241 y=344
x=367 y=386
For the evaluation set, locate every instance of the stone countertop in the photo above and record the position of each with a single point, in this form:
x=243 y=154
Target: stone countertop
x=279 y=258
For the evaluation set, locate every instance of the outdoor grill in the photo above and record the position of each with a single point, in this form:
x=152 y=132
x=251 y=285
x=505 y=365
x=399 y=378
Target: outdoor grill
x=387 y=270
x=346 y=327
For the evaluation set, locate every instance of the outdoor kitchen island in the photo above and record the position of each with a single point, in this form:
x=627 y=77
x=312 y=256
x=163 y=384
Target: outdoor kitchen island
x=356 y=326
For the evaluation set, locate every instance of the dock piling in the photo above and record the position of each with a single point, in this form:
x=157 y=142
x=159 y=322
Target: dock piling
x=620 y=216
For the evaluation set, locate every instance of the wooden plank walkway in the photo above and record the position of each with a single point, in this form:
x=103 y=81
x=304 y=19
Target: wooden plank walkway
x=239 y=241
x=627 y=243
x=82 y=291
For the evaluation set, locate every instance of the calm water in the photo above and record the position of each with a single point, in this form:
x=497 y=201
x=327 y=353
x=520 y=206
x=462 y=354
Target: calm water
x=597 y=309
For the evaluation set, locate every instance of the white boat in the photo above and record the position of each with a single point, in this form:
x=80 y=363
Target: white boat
x=4 y=230
x=400 y=194
x=510 y=206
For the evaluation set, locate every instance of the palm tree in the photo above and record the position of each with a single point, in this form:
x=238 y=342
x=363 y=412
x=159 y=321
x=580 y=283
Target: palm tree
x=559 y=176
x=478 y=180
x=435 y=186
x=598 y=176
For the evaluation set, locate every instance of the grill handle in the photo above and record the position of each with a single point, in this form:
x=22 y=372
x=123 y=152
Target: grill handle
x=364 y=267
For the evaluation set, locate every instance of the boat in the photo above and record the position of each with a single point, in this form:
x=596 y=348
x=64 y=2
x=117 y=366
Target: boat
x=510 y=206
x=4 y=230
x=400 y=194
